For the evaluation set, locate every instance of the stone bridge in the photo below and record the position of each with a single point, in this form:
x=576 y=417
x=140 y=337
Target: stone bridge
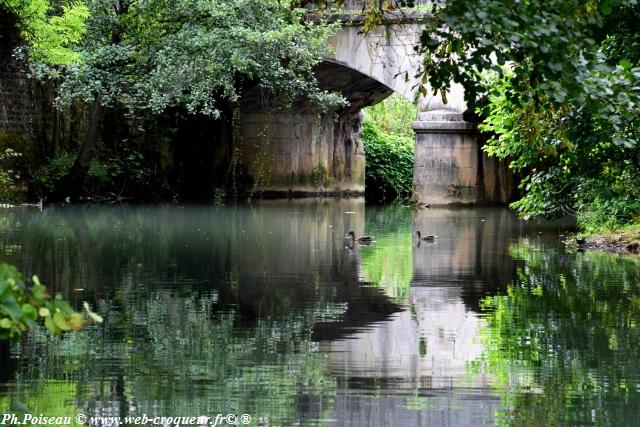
x=306 y=153
x=301 y=151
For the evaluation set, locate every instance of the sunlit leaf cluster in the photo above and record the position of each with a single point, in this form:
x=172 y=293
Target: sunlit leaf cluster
x=22 y=307
x=53 y=29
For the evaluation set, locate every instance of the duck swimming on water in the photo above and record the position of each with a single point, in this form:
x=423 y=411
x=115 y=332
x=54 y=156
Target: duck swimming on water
x=364 y=240
x=428 y=238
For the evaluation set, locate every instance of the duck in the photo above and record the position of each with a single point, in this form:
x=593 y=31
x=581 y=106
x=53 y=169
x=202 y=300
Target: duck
x=428 y=238
x=364 y=240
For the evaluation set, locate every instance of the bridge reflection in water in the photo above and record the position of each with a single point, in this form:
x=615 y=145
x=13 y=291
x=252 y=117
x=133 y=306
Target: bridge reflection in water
x=426 y=349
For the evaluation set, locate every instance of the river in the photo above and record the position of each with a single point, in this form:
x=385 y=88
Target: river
x=265 y=309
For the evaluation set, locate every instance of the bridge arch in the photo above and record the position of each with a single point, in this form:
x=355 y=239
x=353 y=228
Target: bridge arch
x=449 y=164
x=360 y=89
x=387 y=53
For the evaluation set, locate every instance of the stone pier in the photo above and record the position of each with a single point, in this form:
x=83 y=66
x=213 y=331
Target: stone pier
x=450 y=166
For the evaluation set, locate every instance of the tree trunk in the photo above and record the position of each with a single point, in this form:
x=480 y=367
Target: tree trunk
x=71 y=186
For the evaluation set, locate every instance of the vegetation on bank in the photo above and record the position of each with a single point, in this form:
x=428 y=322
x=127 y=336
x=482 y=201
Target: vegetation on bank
x=389 y=145
x=622 y=239
x=558 y=83
x=9 y=176
x=23 y=306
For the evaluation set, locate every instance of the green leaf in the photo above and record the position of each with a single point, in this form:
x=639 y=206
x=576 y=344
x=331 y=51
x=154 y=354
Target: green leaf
x=605 y=7
x=11 y=307
x=60 y=321
x=624 y=63
x=39 y=292
x=51 y=325
x=5 y=288
x=29 y=312
x=75 y=321
x=5 y=323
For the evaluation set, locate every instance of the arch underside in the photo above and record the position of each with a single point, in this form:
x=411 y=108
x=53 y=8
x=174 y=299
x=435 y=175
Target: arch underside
x=358 y=88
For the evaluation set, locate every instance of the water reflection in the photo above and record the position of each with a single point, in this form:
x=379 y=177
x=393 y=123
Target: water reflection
x=562 y=341
x=207 y=310
x=425 y=350
x=266 y=309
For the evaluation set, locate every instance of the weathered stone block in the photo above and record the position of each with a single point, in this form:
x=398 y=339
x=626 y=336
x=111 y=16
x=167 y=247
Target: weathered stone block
x=309 y=153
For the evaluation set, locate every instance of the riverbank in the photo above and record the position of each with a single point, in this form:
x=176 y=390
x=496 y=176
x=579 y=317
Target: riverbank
x=624 y=240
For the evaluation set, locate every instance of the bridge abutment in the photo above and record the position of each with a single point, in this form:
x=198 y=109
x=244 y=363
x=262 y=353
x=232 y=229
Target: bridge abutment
x=301 y=153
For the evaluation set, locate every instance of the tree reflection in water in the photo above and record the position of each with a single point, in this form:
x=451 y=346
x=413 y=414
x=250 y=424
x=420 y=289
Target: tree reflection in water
x=562 y=341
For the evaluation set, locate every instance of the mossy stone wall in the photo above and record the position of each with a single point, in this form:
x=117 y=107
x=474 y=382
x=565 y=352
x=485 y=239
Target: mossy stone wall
x=286 y=152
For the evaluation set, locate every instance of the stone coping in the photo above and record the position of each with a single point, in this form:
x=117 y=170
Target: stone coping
x=443 y=126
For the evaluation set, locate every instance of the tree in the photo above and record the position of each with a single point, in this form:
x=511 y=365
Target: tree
x=152 y=56
x=558 y=83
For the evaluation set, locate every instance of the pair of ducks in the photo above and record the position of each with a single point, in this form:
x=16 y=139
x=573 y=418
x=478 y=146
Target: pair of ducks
x=367 y=240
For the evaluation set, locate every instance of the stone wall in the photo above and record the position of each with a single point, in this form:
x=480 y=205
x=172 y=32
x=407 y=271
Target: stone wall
x=16 y=110
x=301 y=153
x=27 y=115
x=15 y=106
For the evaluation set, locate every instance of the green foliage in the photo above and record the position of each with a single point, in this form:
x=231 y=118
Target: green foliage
x=154 y=55
x=560 y=86
x=47 y=175
x=389 y=163
x=566 y=158
x=552 y=47
x=8 y=174
x=51 y=28
x=393 y=116
x=389 y=145
x=21 y=307
x=604 y=213
x=111 y=169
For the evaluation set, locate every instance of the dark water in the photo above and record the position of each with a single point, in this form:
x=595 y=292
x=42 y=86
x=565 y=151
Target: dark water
x=266 y=310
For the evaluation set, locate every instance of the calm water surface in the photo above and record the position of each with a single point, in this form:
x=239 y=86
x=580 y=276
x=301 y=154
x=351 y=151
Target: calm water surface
x=266 y=309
